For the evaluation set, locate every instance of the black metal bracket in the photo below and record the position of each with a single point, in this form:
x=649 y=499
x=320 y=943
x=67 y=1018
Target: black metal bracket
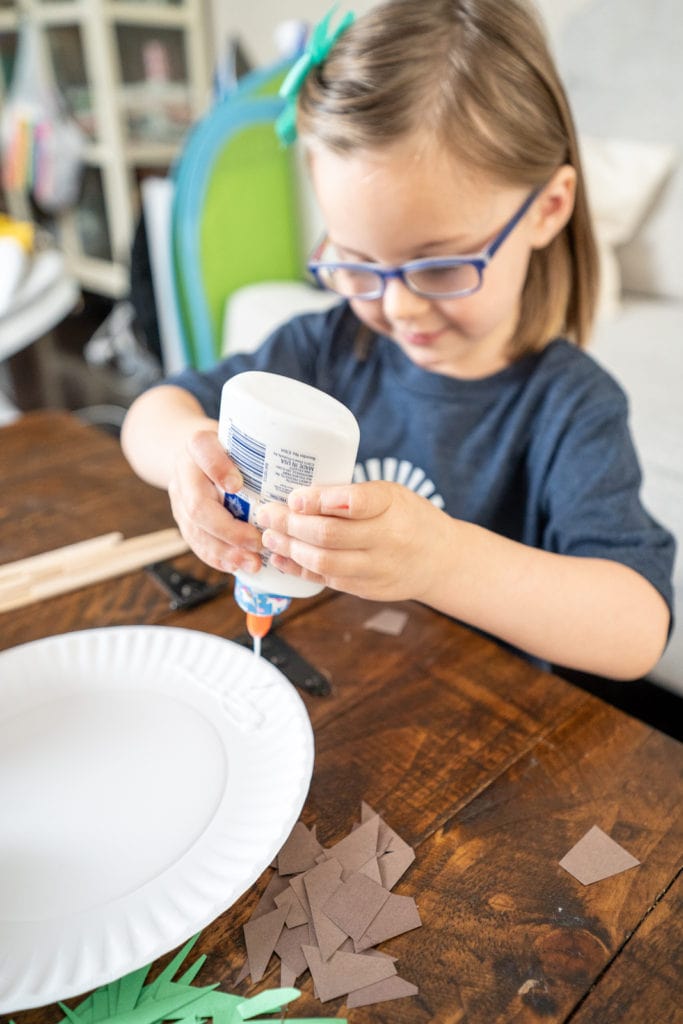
x=288 y=660
x=185 y=590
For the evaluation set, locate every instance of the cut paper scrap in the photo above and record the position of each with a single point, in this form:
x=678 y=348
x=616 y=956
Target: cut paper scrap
x=354 y=904
x=130 y=1001
x=299 y=852
x=399 y=914
x=266 y=904
x=356 y=849
x=597 y=856
x=334 y=911
x=289 y=947
x=345 y=972
x=381 y=992
x=390 y=621
x=260 y=935
x=296 y=913
x=320 y=883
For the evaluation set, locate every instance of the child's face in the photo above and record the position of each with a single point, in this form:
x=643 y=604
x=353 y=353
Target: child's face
x=407 y=203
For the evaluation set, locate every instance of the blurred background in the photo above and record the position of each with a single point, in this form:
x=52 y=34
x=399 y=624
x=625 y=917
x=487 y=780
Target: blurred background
x=150 y=219
x=117 y=84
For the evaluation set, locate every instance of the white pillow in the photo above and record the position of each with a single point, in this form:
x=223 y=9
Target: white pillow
x=623 y=179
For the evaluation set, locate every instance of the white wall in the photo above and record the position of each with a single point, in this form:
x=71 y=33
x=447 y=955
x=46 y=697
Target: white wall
x=255 y=22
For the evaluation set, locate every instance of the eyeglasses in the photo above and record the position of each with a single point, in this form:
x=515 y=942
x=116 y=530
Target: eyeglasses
x=444 y=277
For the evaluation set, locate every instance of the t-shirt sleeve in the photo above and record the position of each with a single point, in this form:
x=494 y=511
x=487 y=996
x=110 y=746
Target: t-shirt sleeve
x=593 y=502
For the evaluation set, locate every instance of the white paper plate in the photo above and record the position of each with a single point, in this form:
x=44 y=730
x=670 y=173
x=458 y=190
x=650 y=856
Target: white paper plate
x=148 y=775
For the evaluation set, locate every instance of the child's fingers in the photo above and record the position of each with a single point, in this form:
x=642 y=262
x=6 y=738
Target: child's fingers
x=292 y=568
x=320 y=564
x=201 y=504
x=206 y=451
x=218 y=554
x=321 y=501
x=348 y=501
x=320 y=531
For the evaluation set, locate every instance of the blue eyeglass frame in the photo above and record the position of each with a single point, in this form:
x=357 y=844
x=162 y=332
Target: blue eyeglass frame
x=479 y=261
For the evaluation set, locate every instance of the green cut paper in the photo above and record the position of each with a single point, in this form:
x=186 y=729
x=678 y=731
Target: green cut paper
x=271 y=1001
x=130 y=1001
x=154 y=1011
x=165 y=979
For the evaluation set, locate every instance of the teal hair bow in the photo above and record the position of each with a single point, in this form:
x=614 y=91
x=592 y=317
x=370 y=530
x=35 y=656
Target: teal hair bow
x=317 y=49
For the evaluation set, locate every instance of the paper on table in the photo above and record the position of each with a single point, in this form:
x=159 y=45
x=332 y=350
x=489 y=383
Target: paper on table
x=275 y=886
x=289 y=947
x=395 y=860
x=381 y=992
x=597 y=856
x=345 y=898
x=260 y=936
x=399 y=914
x=130 y=1001
x=345 y=972
x=356 y=849
x=299 y=852
x=391 y=621
x=320 y=883
x=354 y=904
x=296 y=914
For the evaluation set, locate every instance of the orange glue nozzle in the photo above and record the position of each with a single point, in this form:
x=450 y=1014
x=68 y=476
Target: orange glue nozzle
x=258 y=625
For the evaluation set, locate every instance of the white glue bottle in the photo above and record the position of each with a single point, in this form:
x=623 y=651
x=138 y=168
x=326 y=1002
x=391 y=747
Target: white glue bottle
x=282 y=434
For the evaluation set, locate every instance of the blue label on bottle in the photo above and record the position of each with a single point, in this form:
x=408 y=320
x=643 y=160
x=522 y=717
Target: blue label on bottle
x=236 y=506
x=257 y=603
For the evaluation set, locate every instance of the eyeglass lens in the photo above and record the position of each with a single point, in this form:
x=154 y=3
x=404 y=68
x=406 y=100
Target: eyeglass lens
x=459 y=278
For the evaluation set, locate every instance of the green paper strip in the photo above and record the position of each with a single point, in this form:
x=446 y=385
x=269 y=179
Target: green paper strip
x=270 y=1001
x=130 y=988
x=69 y=1014
x=217 y=1005
x=150 y=1013
x=105 y=1007
x=191 y=973
x=152 y=991
x=129 y=1001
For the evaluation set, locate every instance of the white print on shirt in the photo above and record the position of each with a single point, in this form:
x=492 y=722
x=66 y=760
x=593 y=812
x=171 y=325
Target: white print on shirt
x=403 y=472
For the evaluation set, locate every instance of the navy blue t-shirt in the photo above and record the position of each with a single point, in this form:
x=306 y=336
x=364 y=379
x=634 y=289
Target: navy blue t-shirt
x=539 y=452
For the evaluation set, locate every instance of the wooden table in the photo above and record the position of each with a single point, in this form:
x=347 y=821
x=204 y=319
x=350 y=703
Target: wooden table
x=489 y=767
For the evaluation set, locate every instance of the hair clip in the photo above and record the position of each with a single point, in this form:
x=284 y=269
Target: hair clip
x=316 y=51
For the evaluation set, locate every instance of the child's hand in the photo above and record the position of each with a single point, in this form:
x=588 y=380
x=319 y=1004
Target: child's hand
x=202 y=472
x=378 y=540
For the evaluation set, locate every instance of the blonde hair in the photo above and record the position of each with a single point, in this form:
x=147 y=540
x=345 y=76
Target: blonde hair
x=478 y=76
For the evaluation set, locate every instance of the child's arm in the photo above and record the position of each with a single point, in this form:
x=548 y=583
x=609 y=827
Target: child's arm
x=171 y=443
x=381 y=541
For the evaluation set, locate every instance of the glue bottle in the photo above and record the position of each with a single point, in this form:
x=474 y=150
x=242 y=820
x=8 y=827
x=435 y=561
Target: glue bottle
x=281 y=434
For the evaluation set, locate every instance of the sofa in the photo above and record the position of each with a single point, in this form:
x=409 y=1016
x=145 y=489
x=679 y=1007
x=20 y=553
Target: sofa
x=620 y=63
x=622 y=70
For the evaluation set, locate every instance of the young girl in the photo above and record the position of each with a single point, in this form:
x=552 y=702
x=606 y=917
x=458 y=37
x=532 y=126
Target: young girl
x=497 y=480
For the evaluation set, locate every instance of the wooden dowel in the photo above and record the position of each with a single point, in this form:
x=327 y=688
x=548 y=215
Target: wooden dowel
x=59 y=558
x=126 y=556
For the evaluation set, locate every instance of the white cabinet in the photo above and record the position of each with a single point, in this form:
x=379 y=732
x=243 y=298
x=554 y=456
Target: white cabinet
x=135 y=75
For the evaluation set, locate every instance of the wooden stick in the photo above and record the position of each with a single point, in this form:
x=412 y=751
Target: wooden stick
x=124 y=557
x=58 y=559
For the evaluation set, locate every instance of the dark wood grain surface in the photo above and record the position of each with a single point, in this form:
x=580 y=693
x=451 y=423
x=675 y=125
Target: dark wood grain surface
x=491 y=768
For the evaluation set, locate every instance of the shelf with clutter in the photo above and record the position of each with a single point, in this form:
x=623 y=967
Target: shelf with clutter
x=128 y=79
